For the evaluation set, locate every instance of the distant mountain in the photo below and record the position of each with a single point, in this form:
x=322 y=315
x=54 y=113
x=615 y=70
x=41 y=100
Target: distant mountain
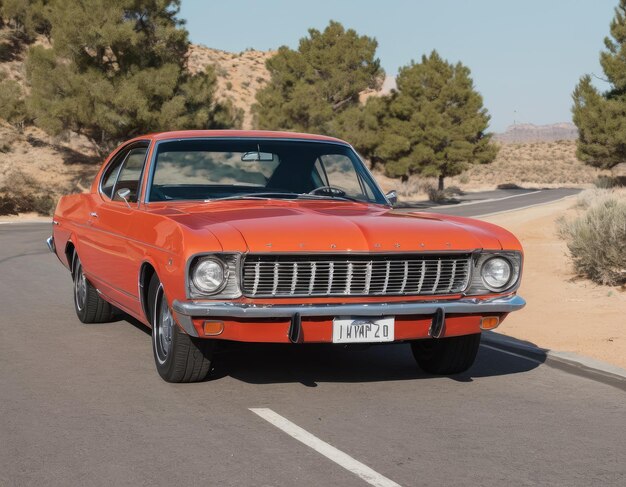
x=527 y=132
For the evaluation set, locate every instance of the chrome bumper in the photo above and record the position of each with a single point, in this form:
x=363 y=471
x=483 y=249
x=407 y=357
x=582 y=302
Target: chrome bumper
x=50 y=244
x=459 y=306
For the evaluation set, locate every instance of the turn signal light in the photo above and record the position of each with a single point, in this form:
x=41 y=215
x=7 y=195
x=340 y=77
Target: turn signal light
x=489 y=322
x=212 y=328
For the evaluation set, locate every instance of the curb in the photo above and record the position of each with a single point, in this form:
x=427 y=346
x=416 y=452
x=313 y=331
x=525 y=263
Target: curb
x=566 y=361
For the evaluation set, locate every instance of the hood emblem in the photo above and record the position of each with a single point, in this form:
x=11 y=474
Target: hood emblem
x=421 y=244
x=301 y=245
x=396 y=245
x=333 y=246
x=377 y=245
x=269 y=244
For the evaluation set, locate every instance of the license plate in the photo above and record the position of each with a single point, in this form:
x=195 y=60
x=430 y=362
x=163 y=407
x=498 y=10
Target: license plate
x=363 y=330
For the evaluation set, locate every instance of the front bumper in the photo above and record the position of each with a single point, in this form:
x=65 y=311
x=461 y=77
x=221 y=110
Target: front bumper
x=50 y=244
x=460 y=306
x=314 y=322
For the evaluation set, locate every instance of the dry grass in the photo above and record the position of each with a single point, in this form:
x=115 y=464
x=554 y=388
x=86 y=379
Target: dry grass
x=596 y=238
x=36 y=169
x=534 y=164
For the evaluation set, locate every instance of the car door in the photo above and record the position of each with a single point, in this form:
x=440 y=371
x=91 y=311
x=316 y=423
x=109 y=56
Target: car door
x=110 y=263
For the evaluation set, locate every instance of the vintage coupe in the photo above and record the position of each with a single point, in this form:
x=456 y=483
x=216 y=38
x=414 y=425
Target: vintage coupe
x=276 y=237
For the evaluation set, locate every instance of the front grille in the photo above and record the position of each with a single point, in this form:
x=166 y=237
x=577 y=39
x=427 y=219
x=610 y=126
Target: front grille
x=355 y=275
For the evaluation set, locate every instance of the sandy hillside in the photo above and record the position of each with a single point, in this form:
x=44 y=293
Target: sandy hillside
x=563 y=313
x=239 y=75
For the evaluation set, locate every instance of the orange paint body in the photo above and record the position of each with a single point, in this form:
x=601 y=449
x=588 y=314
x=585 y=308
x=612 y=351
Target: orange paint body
x=115 y=246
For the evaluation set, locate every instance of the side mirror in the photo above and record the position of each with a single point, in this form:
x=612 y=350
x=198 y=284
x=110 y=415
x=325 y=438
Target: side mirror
x=392 y=196
x=124 y=193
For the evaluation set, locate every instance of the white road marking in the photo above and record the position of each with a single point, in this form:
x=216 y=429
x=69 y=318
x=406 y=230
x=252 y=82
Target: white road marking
x=511 y=353
x=490 y=200
x=524 y=207
x=16 y=222
x=346 y=461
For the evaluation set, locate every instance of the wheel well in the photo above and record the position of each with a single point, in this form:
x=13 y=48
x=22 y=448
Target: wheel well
x=69 y=254
x=145 y=276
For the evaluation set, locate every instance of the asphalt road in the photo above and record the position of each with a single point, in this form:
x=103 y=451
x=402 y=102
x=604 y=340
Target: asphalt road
x=83 y=405
x=487 y=202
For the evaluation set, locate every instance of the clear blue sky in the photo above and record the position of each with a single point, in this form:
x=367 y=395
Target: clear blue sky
x=525 y=55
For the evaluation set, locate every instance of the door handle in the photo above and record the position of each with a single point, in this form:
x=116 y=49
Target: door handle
x=93 y=214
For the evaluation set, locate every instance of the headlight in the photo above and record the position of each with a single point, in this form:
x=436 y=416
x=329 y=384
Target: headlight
x=209 y=276
x=496 y=273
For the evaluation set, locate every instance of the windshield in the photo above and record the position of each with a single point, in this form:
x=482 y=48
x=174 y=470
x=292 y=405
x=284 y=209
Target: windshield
x=205 y=169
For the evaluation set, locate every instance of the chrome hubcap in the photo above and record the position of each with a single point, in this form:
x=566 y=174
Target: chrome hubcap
x=164 y=326
x=80 y=289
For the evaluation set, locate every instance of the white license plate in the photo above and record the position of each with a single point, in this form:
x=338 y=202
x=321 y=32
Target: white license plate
x=363 y=330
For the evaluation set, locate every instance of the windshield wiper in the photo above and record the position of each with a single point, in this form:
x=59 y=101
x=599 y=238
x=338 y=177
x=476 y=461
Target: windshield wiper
x=278 y=195
x=259 y=196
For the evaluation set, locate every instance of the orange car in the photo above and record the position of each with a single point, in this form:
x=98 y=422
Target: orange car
x=276 y=237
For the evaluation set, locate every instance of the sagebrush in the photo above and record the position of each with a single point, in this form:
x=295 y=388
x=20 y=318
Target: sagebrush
x=597 y=238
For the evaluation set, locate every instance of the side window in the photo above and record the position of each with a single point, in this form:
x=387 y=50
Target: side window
x=130 y=174
x=110 y=176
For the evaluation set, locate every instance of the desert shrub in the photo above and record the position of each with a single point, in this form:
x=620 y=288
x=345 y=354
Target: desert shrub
x=605 y=182
x=8 y=205
x=23 y=194
x=436 y=195
x=597 y=240
x=25 y=202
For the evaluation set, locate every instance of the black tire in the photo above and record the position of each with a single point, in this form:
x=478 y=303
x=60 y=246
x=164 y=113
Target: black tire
x=89 y=306
x=178 y=357
x=446 y=356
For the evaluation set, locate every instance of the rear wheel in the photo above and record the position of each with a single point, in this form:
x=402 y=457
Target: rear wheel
x=178 y=356
x=446 y=356
x=90 y=307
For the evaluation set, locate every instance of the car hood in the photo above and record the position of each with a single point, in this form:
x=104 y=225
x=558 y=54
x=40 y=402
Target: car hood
x=328 y=226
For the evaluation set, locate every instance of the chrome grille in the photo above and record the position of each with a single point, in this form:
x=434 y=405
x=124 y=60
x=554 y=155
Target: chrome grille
x=354 y=275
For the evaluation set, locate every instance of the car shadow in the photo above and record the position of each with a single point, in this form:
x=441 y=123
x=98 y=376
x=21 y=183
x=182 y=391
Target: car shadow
x=312 y=364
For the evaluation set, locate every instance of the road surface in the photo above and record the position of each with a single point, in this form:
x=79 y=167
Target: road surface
x=487 y=202
x=83 y=405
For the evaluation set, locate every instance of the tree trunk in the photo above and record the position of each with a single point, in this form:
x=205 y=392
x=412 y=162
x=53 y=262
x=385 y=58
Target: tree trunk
x=440 y=187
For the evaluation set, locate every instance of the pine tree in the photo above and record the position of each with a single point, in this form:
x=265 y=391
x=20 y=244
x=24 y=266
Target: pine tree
x=434 y=124
x=601 y=118
x=310 y=86
x=28 y=17
x=117 y=69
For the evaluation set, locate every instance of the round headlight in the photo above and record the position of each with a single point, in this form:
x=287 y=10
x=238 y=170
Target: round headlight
x=496 y=273
x=209 y=275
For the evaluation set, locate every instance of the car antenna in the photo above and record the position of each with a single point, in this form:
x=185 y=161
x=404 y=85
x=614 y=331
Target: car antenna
x=258 y=152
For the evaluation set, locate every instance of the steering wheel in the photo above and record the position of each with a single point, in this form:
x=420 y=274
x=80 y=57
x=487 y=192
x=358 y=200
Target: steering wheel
x=332 y=190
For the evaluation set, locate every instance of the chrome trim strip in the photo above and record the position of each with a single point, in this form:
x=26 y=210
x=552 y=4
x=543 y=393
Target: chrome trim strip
x=460 y=306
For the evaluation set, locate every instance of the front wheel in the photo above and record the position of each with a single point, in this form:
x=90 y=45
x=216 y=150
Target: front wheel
x=178 y=357
x=446 y=356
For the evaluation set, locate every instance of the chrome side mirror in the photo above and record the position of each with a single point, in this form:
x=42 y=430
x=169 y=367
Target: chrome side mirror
x=124 y=193
x=392 y=196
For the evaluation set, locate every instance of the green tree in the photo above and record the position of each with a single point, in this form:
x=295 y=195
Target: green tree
x=434 y=123
x=310 y=86
x=116 y=69
x=12 y=107
x=30 y=17
x=601 y=117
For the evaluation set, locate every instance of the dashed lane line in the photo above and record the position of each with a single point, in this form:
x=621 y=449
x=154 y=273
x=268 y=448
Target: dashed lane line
x=340 y=458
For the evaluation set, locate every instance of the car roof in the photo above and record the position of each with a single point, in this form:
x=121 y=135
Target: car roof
x=267 y=134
